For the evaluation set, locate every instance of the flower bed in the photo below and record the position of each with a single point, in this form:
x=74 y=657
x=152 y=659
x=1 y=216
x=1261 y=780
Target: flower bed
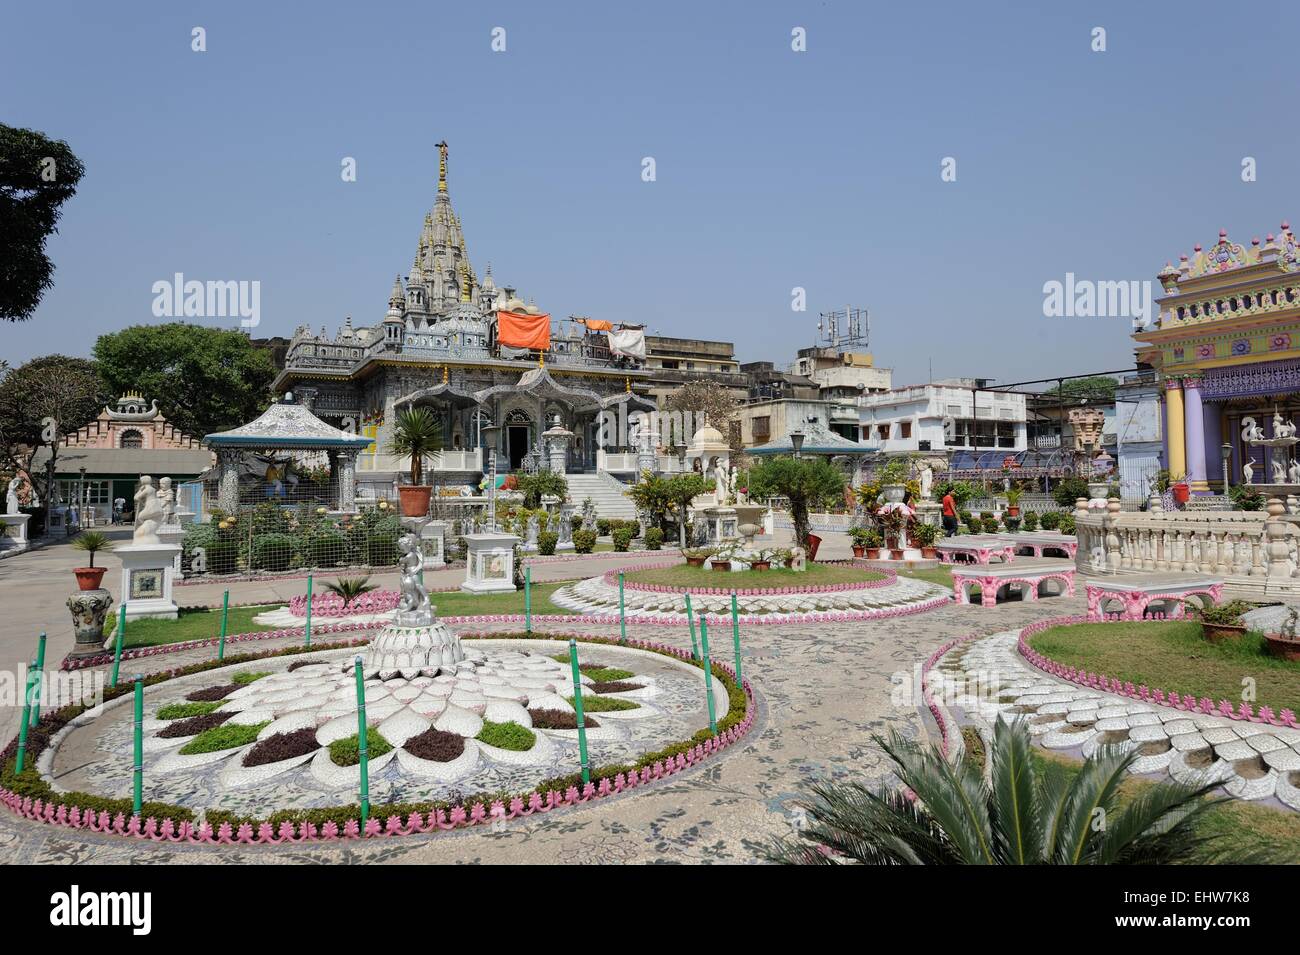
x=327 y=604
x=30 y=797
x=1187 y=702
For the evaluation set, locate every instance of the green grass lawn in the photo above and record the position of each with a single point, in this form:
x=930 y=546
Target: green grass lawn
x=941 y=575
x=1237 y=823
x=190 y=625
x=684 y=576
x=1175 y=657
x=457 y=604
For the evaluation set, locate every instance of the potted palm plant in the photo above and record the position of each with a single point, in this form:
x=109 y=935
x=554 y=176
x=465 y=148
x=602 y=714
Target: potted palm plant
x=1013 y=501
x=418 y=434
x=92 y=542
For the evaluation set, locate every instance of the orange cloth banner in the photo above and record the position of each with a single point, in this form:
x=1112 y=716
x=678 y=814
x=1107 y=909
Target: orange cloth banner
x=597 y=324
x=524 y=331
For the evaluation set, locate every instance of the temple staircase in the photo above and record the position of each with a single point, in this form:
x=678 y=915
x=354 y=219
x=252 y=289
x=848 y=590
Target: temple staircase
x=604 y=493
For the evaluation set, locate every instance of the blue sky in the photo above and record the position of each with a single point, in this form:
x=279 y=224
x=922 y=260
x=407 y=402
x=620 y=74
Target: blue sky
x=775 y=169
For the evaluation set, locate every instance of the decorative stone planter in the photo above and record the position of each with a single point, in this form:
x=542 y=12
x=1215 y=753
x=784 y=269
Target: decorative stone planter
x=895 y=553
x=894 y=493
x=415 y=499
x=89 y=578
x=1220 y=632
x=89 y=609
x=1283 y=647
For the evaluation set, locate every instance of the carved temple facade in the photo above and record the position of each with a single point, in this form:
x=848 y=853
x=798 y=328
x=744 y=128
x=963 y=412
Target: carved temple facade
x=1226 y=347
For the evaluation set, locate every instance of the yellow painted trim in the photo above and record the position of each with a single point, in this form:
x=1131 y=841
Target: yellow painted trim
x=1175 y=426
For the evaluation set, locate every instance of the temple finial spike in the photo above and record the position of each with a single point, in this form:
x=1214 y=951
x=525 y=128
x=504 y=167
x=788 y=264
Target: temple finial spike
x=442 y=166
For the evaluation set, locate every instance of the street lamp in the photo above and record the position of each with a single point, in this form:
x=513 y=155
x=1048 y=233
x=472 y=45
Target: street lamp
x=81 y=500
x=681 y=453
x=796 y=442
x=489 y=432
x=1226 y=450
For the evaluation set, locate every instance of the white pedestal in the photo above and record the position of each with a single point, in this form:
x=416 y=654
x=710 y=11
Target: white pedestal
x=15 y=531
x=489 y=563
x=173 y=534
x=147 y=575
x=433 y=542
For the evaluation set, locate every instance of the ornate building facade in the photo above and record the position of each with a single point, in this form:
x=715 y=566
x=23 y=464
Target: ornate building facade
x=1226 y=344
x=437 y=345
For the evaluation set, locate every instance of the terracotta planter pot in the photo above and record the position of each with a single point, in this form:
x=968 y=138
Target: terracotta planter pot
x=721 y=565
x=895 y=553
x=761 y=565
x=1284 y=648
x=813 y=543
x=928 y=552
x=1218 y=632
x=89 y=578
x=694 y=561
x=415 y=499
x=857 y=551
x=1013 y=510
x=873 y=553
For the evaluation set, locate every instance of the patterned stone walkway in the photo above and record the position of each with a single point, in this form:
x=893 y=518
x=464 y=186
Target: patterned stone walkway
x=823 y=689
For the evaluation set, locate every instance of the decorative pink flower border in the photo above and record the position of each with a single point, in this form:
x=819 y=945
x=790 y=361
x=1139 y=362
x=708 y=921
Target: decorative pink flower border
x=463 y=816
x=611 y=579
x=935 y=710
x=1158 y=697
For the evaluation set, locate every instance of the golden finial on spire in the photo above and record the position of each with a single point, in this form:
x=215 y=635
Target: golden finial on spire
x=442 y=166
x=464 y=282
x=541 y=359
x=444 y=374
x=627 y=383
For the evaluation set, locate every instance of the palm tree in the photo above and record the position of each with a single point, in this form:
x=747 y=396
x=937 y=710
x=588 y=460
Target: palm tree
x=350 y=588
x=949 y=815
x=417 y=433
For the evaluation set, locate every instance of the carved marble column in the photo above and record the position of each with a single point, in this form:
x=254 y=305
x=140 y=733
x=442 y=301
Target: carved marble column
x=1194 y=435
x=346 y=464
x=228 y=479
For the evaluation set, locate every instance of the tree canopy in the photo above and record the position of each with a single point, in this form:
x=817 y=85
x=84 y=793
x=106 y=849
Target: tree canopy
x=711 y=400
x=37 y=176
x=65 y=389
x=1094 y=388
x=205 y=379
x=806 y=482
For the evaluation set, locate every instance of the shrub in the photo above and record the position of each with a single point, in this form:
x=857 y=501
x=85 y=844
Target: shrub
x=536 y=486
x=1051 y=520
x=381 y=550
x=225 y=736
x=546 y=541
x=282 y=746
x=925 y=534
x=1031 y=521
x=435 y=745
x=510 y=736
x=272 y=552
x=1070 y=490
x=559 y=720
x=1013 y=524
x=180 y=711
x=622 y=538
x=604 y=704
x=1245 y=498
x=325 y=549
x=989 y=524
x=1224 y=615
x=347 y=751
x=973 y=524
x=654 y=538
x=584 y=542
x=1067 y=524
x=604 y=526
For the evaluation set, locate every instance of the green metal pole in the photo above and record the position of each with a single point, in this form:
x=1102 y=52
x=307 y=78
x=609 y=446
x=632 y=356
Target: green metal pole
x=225 y=610
x=622 y=617
x=40 y=670
x=121 y=638
x=528 y=599
x=137 y=769
x=708 y=672
x=307 y=632
x=22 y=726
x=735 y=633
x=578 y=714
x=363 y=746
x=690 y=617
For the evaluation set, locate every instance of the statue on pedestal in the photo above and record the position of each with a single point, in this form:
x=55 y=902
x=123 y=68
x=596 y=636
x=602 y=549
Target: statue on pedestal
x=11 y=496
x=148 y=513
x=167 y=498
x=413 y=609
x=1279 y=472
x=1293 y=472
x=1248 y=472
x=927 y=482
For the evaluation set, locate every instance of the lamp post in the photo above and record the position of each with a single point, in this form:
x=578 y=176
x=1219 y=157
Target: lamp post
x=796 y=442
x=681 y=453
x=489 y=431
x=1226 y=451
x=81 y=500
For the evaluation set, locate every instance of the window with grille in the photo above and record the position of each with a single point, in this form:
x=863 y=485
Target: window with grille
x=132 y=439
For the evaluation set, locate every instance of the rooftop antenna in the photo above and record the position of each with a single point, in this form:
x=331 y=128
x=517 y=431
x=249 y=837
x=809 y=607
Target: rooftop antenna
x=848 y=326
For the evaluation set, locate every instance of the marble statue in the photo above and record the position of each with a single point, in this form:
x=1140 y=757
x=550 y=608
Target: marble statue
x=11 y=496
x=167 y=498
x=565 y=529
x=721 y=481
x=1293 y=472
x=1250 y=431
x=1281 y=428
x=148 y=513
x=532 y=529
x=413 y=609
x=927 y=482
x=1248 y=472
x=1279 y=471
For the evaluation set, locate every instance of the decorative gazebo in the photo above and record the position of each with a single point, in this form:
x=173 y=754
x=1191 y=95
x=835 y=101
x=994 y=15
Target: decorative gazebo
x=286 y=427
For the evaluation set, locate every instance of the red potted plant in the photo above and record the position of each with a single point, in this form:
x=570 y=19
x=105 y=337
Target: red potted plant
x=418 y=434
x=92 y=542
x=860 y=536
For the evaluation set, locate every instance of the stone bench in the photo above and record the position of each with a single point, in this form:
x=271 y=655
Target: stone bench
x=974 y=549
x=1138 y=593
x=1026 y=576
x=1035 y=544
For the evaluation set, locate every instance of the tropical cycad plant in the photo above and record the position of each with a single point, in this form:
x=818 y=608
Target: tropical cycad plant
x=1024 y=814
x=417 y=433
x=350 y=588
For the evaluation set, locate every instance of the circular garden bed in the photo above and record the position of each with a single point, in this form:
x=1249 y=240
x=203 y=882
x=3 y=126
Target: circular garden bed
x=208 y=731
x=683 y=577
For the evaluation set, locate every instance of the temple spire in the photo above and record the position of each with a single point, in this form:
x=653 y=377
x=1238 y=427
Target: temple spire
x=442 y=167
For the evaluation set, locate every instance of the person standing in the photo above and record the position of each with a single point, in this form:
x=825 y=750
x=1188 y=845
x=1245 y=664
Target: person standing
x=950 y=522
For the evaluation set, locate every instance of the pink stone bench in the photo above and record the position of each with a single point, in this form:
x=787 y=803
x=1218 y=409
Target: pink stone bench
x=1028 y=577
x=1136 y=594
x=975 y=550
x=1037 y=544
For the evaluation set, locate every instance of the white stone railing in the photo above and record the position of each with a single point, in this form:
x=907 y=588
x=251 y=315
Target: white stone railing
x=619 y=463
x=1242 y=544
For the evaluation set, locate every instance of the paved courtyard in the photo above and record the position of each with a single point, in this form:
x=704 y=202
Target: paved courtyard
x=823 y=690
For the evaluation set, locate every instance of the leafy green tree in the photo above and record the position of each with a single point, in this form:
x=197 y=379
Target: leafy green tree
x=66 y=390
x=806 y=482
x=37 y=176
x=707 y=399
x=680 y=490
x=651 y=497
x=536 y=486
x=205 y=379
x=1094 y=388
x=1023 y=815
